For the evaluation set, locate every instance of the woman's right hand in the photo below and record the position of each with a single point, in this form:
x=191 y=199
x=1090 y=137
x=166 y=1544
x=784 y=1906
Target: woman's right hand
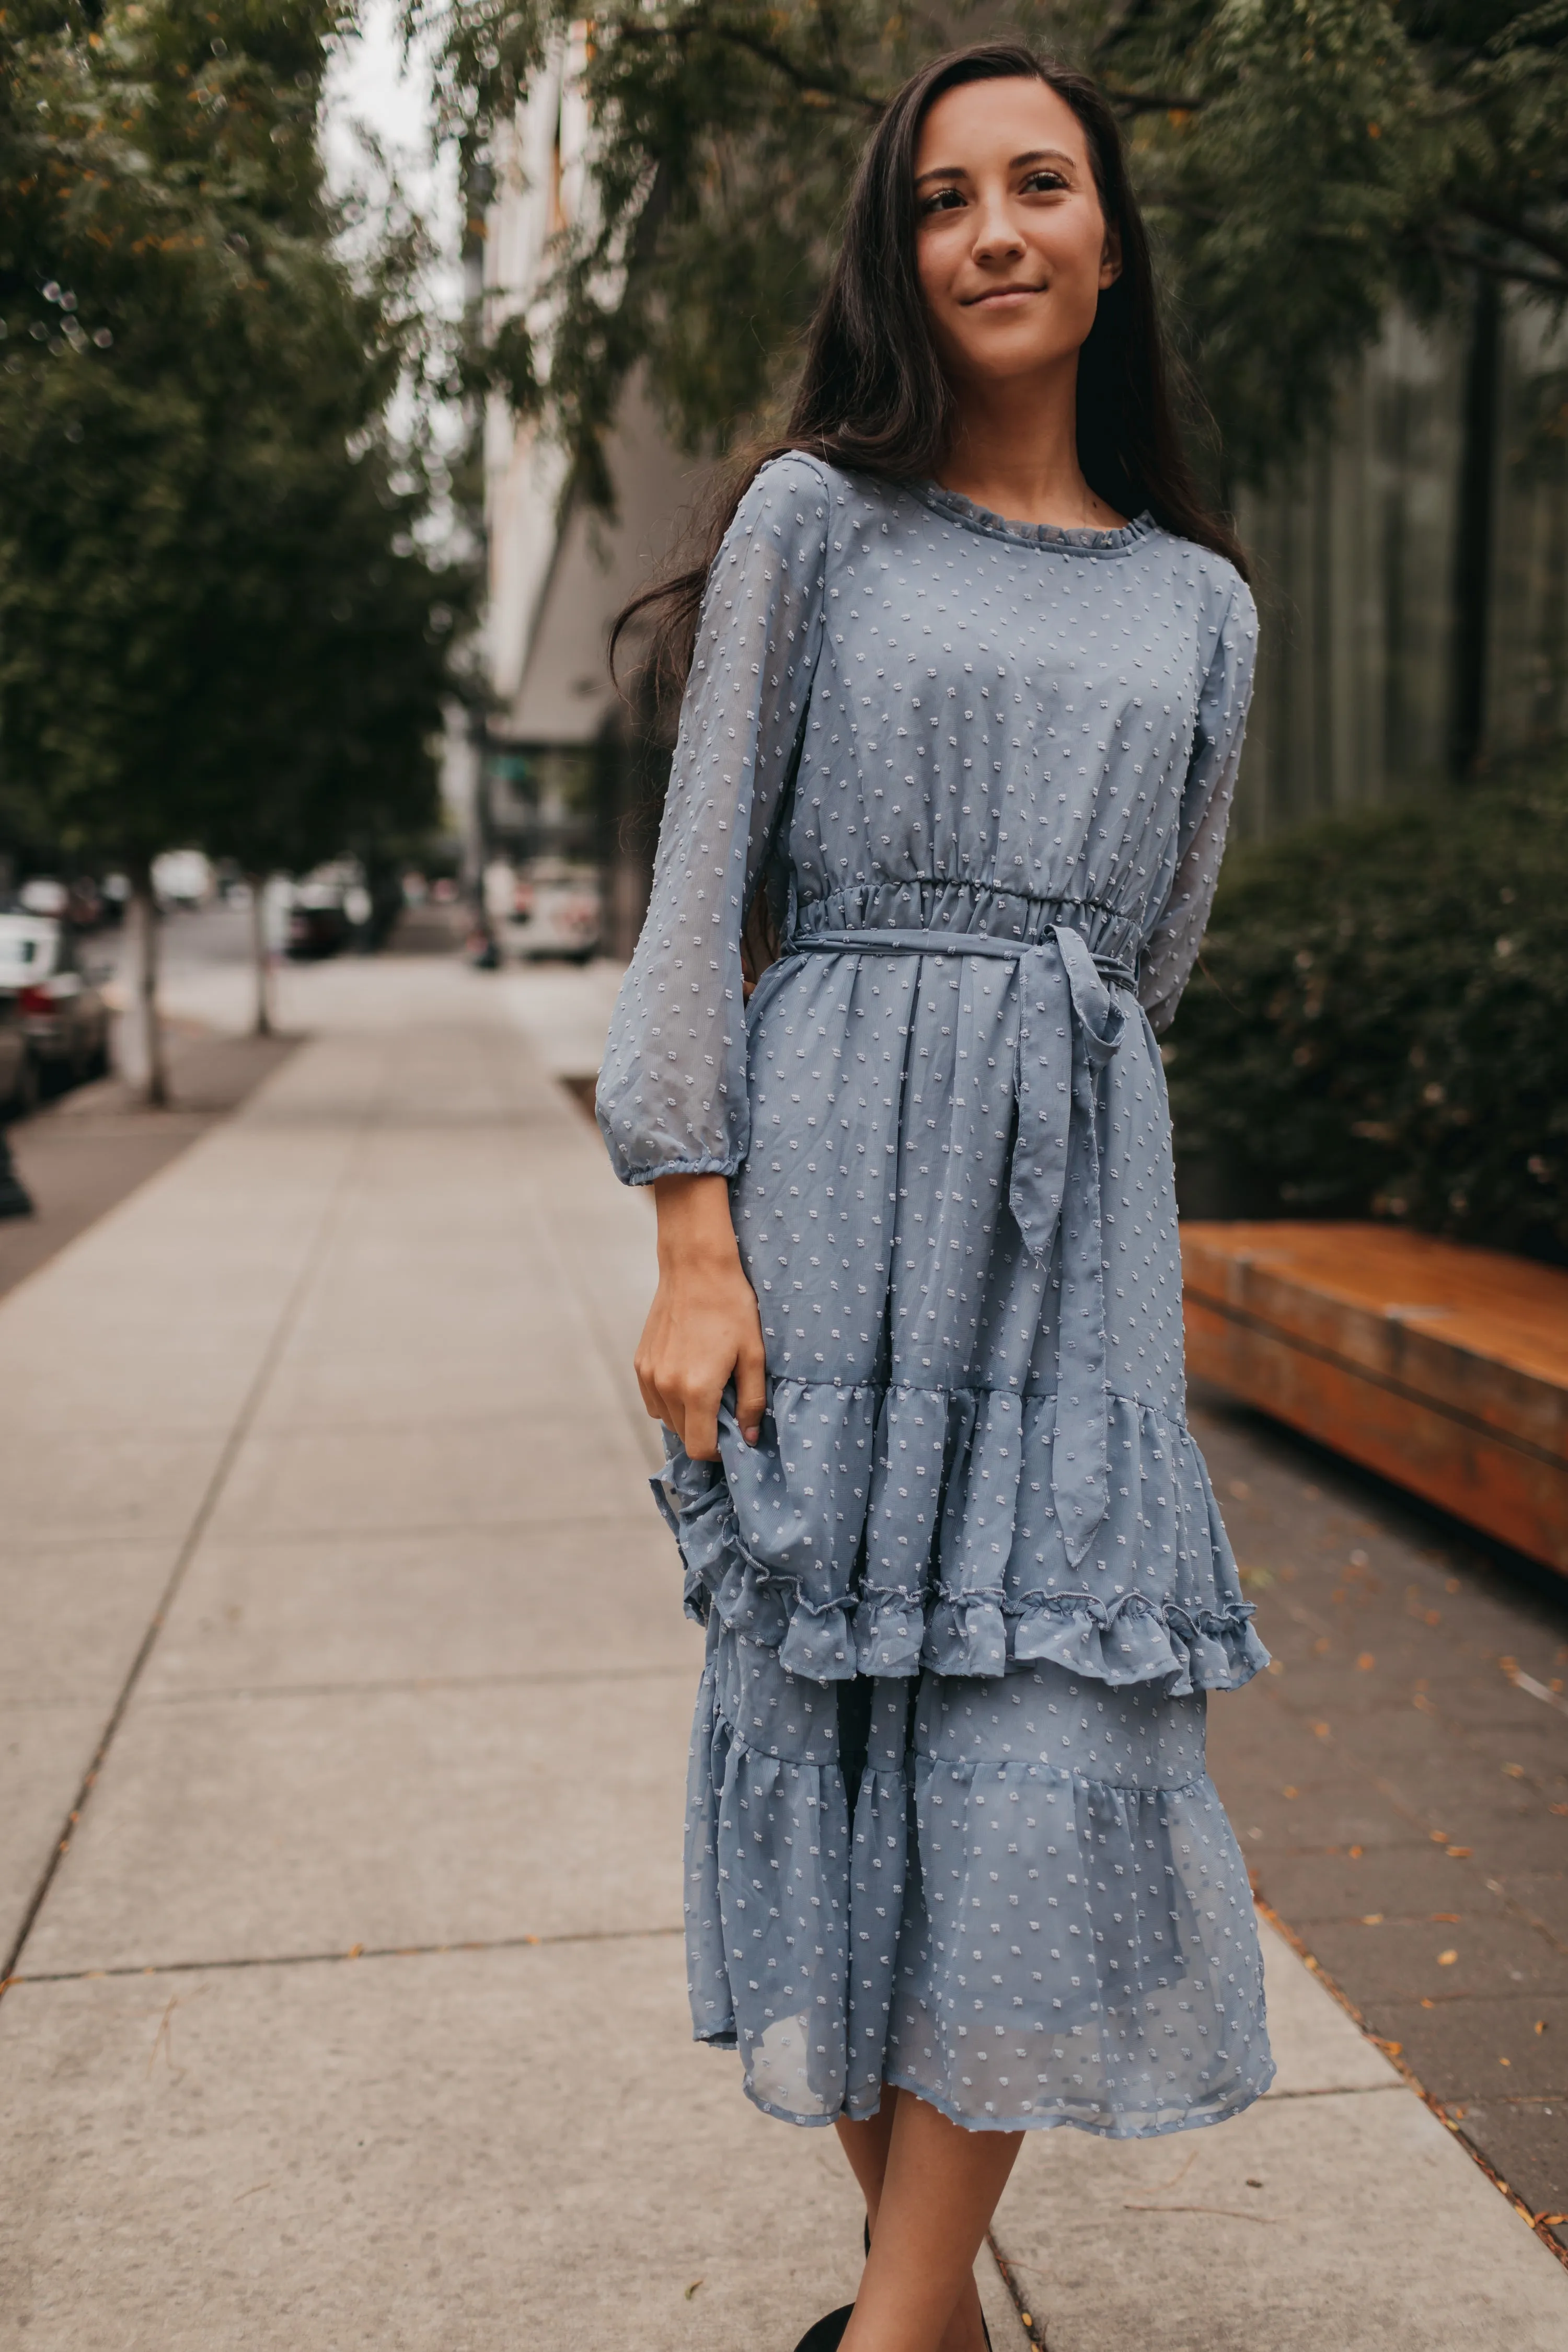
x=703 y=1329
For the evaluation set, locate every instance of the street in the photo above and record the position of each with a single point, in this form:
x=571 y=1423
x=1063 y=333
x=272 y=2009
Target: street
x=345 y=1724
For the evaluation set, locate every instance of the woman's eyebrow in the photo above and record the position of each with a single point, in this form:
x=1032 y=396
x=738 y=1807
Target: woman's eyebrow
x=1018 y=163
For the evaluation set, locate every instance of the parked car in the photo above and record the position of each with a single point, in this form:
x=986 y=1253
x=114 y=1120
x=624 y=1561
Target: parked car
x=79 y=902
x=558 y=911
x=183 y=877
x=19 y=1070
x=318 y=920
x=63 y=1016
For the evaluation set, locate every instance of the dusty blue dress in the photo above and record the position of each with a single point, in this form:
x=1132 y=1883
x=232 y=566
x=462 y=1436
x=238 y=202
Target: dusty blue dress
x=950 y=1825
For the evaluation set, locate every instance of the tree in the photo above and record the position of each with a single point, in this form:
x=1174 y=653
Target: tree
x=1305 y=163
x=215 y=623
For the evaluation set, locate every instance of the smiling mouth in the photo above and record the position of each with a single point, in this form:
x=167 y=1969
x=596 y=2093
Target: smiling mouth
x=1000 y=294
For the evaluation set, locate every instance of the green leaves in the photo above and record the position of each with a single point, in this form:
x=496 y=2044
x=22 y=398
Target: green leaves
x=1380 y=1021
x=215 y=625
x=1285 y=200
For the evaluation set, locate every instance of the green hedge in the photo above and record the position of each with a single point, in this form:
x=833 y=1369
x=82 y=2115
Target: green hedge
x=1379 y=1023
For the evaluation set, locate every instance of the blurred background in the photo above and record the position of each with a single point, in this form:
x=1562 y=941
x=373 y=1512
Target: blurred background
x=357 y=362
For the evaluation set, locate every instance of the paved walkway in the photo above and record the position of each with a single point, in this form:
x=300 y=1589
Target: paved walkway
x=352 y=2013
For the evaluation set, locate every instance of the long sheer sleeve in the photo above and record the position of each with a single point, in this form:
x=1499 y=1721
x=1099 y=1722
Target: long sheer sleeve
x=672 y=1093
x=1173 y=945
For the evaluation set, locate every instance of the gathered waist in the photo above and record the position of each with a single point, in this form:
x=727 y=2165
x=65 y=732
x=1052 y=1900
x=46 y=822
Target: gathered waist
x=1114 y=971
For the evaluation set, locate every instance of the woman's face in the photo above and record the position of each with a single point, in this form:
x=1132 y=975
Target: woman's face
x=1010 y=242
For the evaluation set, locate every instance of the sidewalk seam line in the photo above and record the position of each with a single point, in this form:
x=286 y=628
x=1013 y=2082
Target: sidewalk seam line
x=340 y=1958
x=419 y=1685
x=208 y=1504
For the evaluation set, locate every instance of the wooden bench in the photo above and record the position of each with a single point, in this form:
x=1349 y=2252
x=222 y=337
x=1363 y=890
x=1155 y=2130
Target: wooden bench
x=1442 y=1367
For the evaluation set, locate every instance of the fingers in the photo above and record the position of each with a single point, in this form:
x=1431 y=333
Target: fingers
x=653 y=1398
x=751 y=1389
x=700 y=1434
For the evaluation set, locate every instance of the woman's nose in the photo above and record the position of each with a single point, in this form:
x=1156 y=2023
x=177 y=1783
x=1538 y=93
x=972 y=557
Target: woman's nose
x=996 y=237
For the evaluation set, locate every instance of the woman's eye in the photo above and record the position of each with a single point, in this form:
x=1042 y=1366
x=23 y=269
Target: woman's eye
x=1045 y=180
x=946 y=200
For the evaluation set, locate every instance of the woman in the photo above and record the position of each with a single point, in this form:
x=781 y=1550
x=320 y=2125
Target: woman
x=962 y=723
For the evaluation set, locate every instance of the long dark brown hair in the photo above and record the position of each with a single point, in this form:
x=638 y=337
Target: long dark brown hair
x=873 y=398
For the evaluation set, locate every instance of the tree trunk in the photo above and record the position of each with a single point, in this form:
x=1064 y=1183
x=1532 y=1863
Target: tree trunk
x=1473 y=532
x=156 y=1092
x=258 y=949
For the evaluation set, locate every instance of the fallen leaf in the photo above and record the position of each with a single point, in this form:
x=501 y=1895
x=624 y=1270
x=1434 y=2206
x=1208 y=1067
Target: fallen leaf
x=1322 y=1730
x=1427 y=2004
x=1514 y=1771
x=1392 y=2048
x=1446 y=1960
x=1438 y=1837
x=1505 y=2062
x=1459 y=1853
x=1372 y=1920
x=1288 y=1792
x=1366 y=1662
x=1357 y=1852
x=1541 y=2025
x=1446 y=1918
x=1550 y=2221
x=692 y=2289
x=354 y=1951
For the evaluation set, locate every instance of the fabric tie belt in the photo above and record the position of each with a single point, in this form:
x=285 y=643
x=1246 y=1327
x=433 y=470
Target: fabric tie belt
x=1064 y=1000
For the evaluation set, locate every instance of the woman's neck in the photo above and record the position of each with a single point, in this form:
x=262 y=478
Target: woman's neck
x=1014 y=452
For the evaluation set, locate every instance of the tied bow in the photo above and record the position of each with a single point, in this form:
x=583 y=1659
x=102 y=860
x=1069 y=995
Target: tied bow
x=1069 y=1025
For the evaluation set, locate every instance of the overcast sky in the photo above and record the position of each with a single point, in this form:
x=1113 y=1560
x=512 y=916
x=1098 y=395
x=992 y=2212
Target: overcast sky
x=371 y=84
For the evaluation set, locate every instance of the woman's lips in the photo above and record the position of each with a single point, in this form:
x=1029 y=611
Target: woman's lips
x=1001 y=294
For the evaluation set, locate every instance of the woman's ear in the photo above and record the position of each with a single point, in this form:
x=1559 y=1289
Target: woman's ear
x=1110 y=260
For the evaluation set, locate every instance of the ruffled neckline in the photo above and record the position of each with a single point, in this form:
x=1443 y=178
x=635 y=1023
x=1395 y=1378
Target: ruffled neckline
x=960 y=509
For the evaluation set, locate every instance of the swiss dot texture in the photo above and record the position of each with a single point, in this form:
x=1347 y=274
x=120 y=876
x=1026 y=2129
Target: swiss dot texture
x=983 y=770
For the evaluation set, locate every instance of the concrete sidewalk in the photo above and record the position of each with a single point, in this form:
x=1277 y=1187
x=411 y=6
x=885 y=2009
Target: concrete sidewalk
x=352 y=2014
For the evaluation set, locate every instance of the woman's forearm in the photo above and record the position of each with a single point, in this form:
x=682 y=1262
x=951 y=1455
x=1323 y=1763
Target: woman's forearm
x=694 y=1223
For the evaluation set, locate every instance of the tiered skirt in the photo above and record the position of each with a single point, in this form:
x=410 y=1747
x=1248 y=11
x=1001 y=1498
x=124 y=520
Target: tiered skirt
x=971 y=1849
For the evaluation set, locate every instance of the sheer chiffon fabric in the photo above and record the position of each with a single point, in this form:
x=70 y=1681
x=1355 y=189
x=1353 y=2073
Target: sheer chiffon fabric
x=1017 y=1897
x=983 y=770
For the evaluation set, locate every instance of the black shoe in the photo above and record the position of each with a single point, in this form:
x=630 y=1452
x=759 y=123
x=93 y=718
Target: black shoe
x=827 y=2333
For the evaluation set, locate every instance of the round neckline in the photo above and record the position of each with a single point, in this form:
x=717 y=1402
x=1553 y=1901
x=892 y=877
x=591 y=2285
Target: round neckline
x=1077 y=540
